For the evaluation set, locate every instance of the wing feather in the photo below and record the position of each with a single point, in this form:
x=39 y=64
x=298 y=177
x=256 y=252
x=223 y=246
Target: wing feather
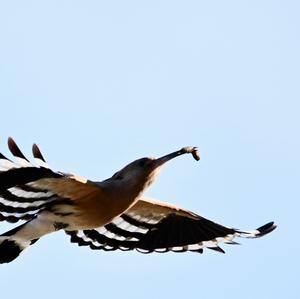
x=152 y=225
x=26 y=189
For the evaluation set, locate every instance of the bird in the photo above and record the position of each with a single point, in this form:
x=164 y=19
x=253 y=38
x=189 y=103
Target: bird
x=109 y=215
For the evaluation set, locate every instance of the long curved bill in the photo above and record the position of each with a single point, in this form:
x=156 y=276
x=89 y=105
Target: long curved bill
x=185 y=150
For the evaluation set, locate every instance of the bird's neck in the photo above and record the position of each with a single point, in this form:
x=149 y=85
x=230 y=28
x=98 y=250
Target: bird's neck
x=126 y=191
x=132 y=189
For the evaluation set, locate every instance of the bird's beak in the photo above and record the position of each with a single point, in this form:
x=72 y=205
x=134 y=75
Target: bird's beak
x=185 y=150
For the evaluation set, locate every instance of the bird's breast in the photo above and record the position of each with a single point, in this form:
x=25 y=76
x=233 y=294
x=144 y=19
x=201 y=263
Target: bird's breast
x=99 y=208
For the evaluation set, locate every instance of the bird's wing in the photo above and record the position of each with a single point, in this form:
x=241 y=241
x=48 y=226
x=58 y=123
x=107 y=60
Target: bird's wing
x=27 y=189
x=152 y=225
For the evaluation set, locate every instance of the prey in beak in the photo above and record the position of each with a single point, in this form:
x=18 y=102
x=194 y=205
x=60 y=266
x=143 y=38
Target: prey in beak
x=184 y=150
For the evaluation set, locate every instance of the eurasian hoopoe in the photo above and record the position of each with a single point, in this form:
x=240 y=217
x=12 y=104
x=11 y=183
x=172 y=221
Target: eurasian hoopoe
x=107 y=215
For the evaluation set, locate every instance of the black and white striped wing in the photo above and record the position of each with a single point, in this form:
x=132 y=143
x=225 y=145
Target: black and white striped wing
x=153 y=226
x=19 y=200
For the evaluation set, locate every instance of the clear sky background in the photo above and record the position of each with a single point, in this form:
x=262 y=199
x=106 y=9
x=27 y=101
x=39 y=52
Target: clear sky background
x=98 y=84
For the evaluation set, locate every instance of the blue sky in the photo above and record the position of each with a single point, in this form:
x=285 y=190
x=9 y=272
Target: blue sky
x=99 y=83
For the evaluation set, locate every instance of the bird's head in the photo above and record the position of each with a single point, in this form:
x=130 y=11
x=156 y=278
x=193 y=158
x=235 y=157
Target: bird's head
x=142 y=172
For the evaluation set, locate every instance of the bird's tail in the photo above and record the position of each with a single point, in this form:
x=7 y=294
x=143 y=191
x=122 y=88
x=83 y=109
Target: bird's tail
x=11 y=245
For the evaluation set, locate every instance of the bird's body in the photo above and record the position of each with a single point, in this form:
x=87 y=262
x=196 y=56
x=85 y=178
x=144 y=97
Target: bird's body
x=108 y=215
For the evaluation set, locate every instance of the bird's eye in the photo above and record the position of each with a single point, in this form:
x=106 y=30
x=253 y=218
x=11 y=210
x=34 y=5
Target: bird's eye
x=142 y=163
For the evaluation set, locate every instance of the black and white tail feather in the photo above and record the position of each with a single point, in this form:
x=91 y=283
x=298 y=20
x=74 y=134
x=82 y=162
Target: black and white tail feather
x=147 y=231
